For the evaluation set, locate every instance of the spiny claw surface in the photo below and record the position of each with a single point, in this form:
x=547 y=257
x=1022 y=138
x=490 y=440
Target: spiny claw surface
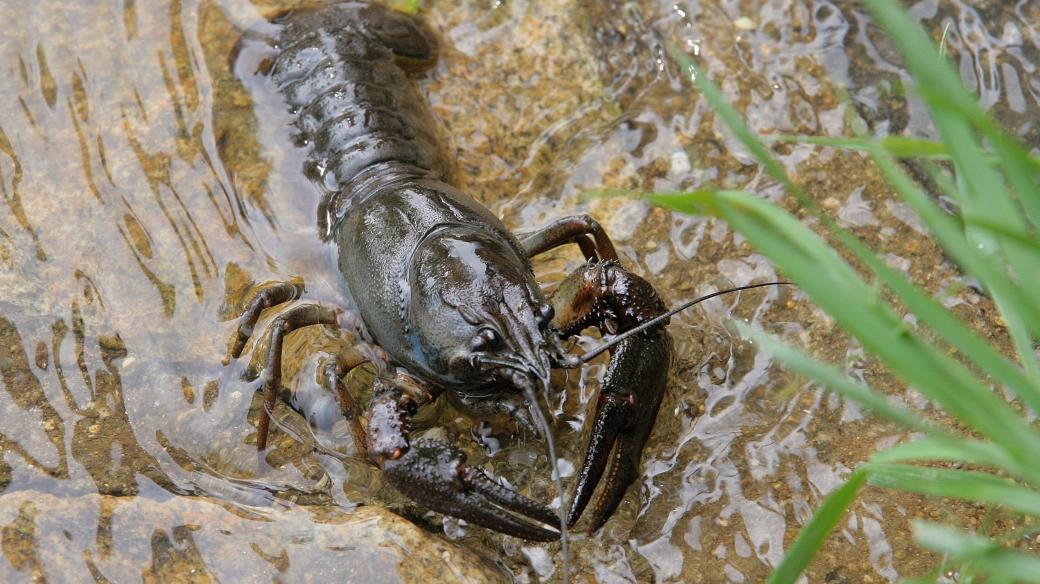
x=629 y=400
x=435 y=475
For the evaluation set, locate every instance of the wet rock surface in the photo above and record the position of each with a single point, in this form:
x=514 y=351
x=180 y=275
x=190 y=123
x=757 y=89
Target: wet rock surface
x=180 y=540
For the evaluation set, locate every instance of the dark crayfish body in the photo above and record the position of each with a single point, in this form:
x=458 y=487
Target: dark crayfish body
x=440 y=284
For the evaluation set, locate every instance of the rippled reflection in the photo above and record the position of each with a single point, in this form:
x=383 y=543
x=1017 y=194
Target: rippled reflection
x=145 y=191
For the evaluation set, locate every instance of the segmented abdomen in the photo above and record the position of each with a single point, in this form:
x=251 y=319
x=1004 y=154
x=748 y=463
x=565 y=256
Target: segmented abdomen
x=353 y=105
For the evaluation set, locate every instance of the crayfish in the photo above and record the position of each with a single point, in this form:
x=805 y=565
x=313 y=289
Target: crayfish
x=441 y=286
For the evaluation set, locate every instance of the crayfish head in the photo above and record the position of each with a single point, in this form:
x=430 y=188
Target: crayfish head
x=478 y=315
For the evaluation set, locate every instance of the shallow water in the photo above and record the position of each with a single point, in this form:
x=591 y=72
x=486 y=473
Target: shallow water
x=144 y=190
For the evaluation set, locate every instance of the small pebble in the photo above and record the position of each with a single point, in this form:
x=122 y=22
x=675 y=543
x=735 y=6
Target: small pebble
x=679 y=164
x=744 y=23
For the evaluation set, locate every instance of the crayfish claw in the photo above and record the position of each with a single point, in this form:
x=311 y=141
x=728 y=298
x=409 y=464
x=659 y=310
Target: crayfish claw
x=611 y=416
x=629 y=400
x=435 y=475
x=510 y=499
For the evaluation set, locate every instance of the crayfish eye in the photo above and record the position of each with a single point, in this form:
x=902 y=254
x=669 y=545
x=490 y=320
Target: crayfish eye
x=545 y=315
x=484 y=340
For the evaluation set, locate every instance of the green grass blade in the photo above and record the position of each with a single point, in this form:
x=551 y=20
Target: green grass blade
x=939 y=443
x=954 y=110
x=1022 y=238
x=957 y=484
x=731 y=118
x=898 y=146
x=949 y=328
x=1015 y=304
x=978 y=203
x=813 y=534
x=901 y=147
x=836 y=288
x=1020 y=338
x=948 y=99
x=405 y=6
x=980 y=552
x=907 y=147
x=967 y=152
x=836 y=381
x=942 y=89
x=1021 y=168
x=997 y=242
x=947 y=448
x=1028 y=389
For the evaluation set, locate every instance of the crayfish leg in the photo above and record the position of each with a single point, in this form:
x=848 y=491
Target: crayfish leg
x=268 y=295
x=573 y=229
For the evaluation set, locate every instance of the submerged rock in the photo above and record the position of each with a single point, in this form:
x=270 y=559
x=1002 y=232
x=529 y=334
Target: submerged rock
x=196 y=539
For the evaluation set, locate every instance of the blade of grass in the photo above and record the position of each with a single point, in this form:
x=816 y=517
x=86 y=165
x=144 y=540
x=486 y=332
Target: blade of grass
x=945 y=448
x=1020 y=338
x=979 y=551
x=953 y=331
x=953 y=109
x=1015 y=305
x=941 y=87
x=833 y=508
x=979 y=204
x=1018 y=301
x=948 y=327
x=1000 y=249
x=836 y=288
x=733 y=121
x=1021 y=168
x=942 y=41
x=1006 y=294
x=405 y=6
x=956 y=484
x=1023 y=238
x=898 y=146
x=969 y=450
x=731 y=118
x=835 y=380
x=813 y=533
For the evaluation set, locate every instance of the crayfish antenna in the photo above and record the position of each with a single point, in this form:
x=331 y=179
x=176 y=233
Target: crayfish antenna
x=543 y=425
x=664 y=317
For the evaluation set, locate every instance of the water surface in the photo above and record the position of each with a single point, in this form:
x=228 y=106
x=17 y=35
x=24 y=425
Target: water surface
x=145 y=190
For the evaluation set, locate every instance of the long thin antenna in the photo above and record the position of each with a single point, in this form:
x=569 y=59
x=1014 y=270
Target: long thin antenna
x=657 y=320
x=543 y=425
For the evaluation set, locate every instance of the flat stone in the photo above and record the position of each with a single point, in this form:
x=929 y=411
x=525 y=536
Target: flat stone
x=197 y=539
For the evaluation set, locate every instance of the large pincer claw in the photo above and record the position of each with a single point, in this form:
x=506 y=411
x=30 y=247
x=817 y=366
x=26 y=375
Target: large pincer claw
x=436 y=475
x=629 y=400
